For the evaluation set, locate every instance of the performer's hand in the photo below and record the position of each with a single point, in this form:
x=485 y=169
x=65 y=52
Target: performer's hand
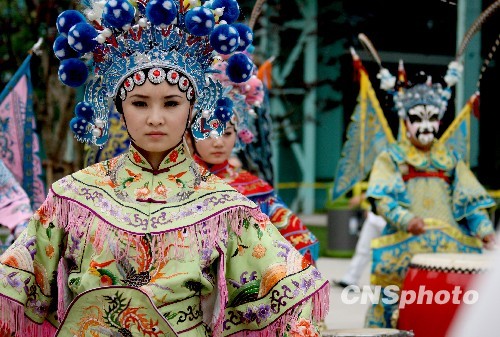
x=416 y=226
x=356 y=200
x=489 y=241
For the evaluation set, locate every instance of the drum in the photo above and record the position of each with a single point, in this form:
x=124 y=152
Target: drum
x=433 y=289
x=368 y=332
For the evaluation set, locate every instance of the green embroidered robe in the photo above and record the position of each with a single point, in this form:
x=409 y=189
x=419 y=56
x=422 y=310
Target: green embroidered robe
x=120 y=249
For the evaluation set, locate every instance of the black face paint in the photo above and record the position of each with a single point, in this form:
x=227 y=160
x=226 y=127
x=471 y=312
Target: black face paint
x=414 y=118
x=425 y=131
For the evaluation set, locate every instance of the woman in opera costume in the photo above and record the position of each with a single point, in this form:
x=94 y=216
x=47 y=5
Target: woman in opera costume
x=149 y=243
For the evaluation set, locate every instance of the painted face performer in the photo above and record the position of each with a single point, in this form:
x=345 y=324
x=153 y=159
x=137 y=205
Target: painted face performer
x=424 y=189
x=422 y=120
x=214 y=154
x=148 y=243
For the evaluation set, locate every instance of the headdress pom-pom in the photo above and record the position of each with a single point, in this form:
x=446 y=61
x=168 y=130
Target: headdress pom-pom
x=225 y=39
x=245 y=135
x=79 y=126
x=161 y=12
x=68 y=19
x=246 y=36
x=253 y=90
x=84 y=110
x=118 y=14
x=73 y=72
x=82 y=37
x=200 y=21
x=239 y=68
x=62 y=49
x=224 y=109
x=231 y=9
x=454 y=73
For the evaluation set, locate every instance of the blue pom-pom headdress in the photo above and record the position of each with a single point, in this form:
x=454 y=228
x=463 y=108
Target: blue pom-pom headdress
x=235 y=104
x=206 y=122
x=123 y=38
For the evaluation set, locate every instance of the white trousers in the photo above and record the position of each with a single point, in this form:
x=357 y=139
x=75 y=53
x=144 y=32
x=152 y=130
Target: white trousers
x=372 y=228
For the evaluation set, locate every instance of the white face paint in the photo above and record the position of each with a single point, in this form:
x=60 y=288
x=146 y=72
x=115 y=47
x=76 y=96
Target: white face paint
x=423 y=123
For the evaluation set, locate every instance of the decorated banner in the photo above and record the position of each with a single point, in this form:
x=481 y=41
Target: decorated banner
x=19 y=143
x=457 y=135
x=368 y=134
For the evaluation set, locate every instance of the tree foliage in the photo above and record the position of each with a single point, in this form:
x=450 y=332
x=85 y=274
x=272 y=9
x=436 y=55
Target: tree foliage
x=24 y=22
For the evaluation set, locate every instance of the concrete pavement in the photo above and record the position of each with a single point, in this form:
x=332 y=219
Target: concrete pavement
x=342 y=315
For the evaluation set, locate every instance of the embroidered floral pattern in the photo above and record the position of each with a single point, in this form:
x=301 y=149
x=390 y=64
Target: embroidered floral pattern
x=118 y=317
x=257 y=313
x=173 y=156
x=143 y=192
x=161 y=190
x=259 y=251
x=12 y=279
x=303 y=328
x=137 y=158
x=49 y=251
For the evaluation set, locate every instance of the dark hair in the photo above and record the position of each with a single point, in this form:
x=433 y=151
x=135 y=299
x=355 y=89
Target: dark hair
x=118 y=104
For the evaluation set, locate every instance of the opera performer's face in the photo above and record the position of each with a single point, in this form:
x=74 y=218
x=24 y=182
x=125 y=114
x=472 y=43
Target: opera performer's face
x=422 y=123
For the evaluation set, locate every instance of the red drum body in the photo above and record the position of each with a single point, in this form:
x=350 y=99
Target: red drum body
x=367 y=332
x=433 y=289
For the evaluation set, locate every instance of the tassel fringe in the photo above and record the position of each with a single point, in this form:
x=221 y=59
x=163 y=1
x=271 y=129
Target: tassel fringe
x=13 y=320
x=166 y=245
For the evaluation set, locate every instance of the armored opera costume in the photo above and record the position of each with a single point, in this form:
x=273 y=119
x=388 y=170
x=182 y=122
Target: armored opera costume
x=436 y=186
x=430 y=181
x=122 y=249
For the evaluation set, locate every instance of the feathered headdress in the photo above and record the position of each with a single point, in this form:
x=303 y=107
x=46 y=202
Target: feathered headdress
x=429 y=93
x=405 y=96
x=126 y=42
